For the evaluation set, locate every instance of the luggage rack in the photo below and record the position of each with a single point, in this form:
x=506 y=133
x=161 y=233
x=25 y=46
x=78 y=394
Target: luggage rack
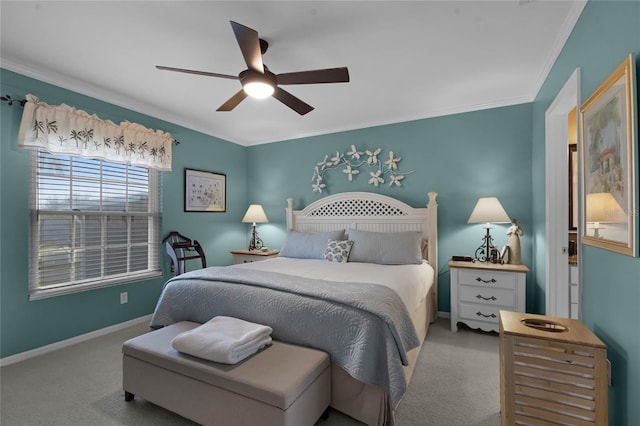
x=180 y=249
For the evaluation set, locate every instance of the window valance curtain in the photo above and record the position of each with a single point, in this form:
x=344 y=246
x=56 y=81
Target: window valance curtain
x=62 y=129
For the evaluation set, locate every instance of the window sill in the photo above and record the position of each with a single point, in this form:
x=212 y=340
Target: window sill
x=45 y=293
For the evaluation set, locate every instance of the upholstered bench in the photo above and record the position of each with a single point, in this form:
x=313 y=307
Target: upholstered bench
x=282 y=384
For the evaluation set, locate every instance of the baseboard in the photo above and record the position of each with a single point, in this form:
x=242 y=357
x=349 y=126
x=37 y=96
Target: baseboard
x=442 y=314
x=72 y=341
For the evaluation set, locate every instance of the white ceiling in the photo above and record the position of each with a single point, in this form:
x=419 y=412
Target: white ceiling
x=407 y=60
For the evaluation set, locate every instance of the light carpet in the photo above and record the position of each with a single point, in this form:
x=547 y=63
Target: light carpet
x=456 y=382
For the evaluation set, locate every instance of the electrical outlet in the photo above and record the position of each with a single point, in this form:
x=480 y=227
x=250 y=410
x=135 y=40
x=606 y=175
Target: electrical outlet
x=124 y=297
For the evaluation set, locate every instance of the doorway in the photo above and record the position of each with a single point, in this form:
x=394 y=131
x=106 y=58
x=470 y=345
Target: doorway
x=558 y=288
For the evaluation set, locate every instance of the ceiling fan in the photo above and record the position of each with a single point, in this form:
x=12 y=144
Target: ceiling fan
x=259 y=82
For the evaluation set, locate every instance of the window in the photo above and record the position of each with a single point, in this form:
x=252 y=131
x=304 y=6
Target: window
x=94 y=223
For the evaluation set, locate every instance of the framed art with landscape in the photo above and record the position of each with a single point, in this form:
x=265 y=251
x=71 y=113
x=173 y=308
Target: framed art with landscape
x=204 y=191
x=609 y=159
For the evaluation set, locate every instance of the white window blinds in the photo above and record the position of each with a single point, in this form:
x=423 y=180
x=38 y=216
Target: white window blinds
x=93 y=223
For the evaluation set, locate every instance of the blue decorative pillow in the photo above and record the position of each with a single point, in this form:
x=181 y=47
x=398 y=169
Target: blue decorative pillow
x=308 y=245
x=338 y=250
x=386 y=248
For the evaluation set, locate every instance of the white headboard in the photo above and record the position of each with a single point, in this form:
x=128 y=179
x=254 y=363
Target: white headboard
x=368 y=211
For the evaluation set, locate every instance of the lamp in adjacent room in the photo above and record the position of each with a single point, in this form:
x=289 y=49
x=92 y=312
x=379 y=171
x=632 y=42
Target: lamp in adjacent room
x=601 y=207
x=255 y=214
x=488 y=210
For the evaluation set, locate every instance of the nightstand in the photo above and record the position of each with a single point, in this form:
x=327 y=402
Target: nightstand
x=479 y=290
x=248 y=256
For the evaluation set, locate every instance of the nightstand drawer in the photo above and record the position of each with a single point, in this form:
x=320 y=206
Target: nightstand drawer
x=487 y=296
x=245 y=258
x=493 y=279
x=478 y=312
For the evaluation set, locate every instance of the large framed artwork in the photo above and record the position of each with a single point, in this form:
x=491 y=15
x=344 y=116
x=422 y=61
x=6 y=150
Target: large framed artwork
x=609 y=159
x=204 y=191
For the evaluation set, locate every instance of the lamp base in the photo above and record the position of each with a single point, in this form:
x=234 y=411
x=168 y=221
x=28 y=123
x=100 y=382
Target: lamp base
x=255 y=243
x=487 y=252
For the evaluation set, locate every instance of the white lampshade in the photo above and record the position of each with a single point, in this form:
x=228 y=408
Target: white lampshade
x=255 y=213
x=489 y=210
x=602 y=207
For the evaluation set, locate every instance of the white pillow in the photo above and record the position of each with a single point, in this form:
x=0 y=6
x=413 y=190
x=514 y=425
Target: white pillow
x=386 y=248
x=338 y=250
x=308 y=245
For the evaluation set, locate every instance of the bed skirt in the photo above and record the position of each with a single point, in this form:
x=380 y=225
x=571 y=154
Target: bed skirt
x=369 y=403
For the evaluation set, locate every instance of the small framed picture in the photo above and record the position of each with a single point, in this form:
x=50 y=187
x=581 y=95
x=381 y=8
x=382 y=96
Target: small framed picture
x=504 y=254
x=204 y=191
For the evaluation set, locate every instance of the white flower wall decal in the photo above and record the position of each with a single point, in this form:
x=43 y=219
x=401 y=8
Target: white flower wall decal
x=350 y=172
x=375 y=178
x=318 y=186
x=395 y=180
x=350 y=162
x=354 y=153
x=373 y=156
x=392 y=162
x=335 y=160
x=323 y=162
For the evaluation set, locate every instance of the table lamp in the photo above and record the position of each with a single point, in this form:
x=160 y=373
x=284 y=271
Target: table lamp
x=255 y=214
x=488 y=210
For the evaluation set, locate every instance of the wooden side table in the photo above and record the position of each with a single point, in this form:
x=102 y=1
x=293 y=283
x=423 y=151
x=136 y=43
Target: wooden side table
x=248 y=256
x=479 y=290
x=552 y=371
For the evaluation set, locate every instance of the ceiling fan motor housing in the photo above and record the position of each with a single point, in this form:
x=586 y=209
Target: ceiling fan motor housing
x=253 y=76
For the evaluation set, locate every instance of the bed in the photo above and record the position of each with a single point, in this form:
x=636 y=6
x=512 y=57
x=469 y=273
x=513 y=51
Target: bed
x=360 y=311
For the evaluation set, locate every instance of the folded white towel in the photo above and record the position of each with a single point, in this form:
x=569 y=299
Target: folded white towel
x=223 y=339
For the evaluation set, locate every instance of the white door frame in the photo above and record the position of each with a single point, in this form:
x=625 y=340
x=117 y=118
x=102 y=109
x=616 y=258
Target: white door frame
x=557 y=197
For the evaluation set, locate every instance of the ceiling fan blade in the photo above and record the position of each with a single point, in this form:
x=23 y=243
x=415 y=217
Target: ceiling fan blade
x=329 y=75
x=291 y=101
x=206 y=73
x=249 y=45
x=233 y=101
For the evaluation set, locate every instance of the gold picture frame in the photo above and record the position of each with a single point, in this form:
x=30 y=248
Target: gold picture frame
x=609 y=157
x=573 y=187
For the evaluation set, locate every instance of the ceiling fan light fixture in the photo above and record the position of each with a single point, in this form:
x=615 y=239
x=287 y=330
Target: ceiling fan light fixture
x=258 y=85
x=258 y=89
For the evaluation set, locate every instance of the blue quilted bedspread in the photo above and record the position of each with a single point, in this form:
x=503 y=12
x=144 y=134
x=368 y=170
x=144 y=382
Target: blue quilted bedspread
x=365 y=328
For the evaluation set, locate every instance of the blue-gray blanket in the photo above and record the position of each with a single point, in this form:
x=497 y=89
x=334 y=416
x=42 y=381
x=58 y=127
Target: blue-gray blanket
x=365 y=328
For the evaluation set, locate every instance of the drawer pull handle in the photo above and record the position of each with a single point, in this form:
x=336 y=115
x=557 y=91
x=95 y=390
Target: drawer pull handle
x=486 y=298
x=492 y=280
x=480 y=314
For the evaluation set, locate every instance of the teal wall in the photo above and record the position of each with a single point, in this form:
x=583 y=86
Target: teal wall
x=462 y=157
x=605 y=34
x=26 y=325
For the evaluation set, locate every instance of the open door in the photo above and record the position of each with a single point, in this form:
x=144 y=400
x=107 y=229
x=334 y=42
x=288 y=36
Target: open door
x=558 y=278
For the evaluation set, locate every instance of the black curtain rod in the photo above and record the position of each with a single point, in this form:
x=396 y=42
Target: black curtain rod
x=10 y=101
